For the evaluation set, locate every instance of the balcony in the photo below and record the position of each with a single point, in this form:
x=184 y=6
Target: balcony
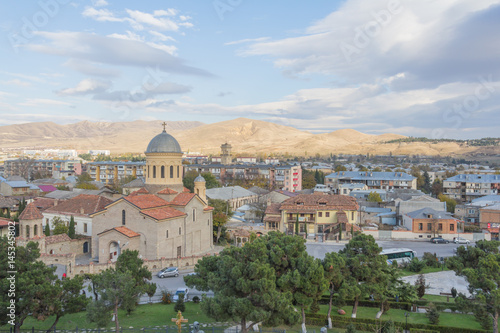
x=301 y=219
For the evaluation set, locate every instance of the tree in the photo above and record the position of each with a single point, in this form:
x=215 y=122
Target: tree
x=480 y=265
x=426 y=187
x=34 y=284
x=374 y=197
x=308 y=180
x=71 y=228
x=86 y=157
x=433 y=314
x=59 y=226
x=339 y=168
x=47 y=229
x=336 y=273
x=367 y=267
x=179 y=305
x=129 y=261
x=420 y=285
x=151 y=290
x=450 y=203
x=437 y=187
x=114 y=291
x=244 y=286
x=66 y=298
x=84 y=182
x=221 y=215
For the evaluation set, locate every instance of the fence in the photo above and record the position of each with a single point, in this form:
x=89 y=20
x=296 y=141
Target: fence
x=184 y=329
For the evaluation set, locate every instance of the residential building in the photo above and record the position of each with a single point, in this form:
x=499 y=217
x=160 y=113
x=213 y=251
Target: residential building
x=18 y=188
x=363 y=194
x=235 y=196
x=246 y=159
x=467 y=187
x=428 y=223
x=346 y=189
x=489 y=217
x=80 y=207
x=272 y=160
x=318 y=216
x=28 y=167
x=404 y=207
x=109 y=172
x=469 y=212
x=373 y=180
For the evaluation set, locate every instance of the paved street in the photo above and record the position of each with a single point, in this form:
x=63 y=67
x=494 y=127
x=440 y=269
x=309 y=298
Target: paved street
x=319 y=250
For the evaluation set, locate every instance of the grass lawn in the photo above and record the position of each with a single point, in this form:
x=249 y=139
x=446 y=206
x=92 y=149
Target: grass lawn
x=143 y=316
x=438 y=298
x=446 y=319
x=425 y=270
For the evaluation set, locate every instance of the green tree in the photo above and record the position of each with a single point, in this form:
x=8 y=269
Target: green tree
x=433 y=314
x=374 y=197
x=151 y=290
x=336 y=273
x=47 y=229
x=480 y=265
x=86 y=157
x=71 y=228
x=59 y=226
x=244 y=286
x=366 y=267
x=34 y=284
x=179 y=304
x=339 y=168
x=450 y=203
x=377 y=169
x=221 y=215
x=437 y=187
x=84 y=182
x=420 y=285
x=129 y=261
x=308 y=180
x=66 y=298
x=114 y=292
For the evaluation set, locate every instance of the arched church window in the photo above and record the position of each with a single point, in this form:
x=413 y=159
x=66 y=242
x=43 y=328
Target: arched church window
x=162 y=171
x=154 y=171
x=171 y=171
x=123 y=217
x=27 y=231
x=35 y=230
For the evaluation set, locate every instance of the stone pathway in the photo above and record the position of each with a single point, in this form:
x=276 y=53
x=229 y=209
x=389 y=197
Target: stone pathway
x=441 y=282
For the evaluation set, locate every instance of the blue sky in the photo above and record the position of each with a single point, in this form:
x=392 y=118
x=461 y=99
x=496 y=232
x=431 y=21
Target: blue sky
x=421 y=68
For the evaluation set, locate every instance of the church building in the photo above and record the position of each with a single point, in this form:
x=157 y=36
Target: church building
x=162 y=219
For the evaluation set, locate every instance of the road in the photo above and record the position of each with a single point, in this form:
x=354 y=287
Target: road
x=319 y=250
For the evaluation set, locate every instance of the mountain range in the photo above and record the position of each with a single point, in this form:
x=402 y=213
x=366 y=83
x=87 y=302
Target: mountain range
x=246 y=136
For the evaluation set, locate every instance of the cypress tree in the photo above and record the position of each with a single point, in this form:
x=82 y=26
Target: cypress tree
x=47 y=230
x=71 y=229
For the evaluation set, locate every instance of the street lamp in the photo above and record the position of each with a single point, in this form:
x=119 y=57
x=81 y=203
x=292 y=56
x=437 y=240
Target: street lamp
x=406 y=316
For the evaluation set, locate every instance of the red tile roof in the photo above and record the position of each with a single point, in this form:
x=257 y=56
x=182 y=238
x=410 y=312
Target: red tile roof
x=126 y=231
x=273 y=209
x=57 y=239
x=83 y=204
x=44 y=203
x=31 y=213
x=208 y=208
x=146 y=201
x=310 y=203
x=182 y=199
x=186 y=190
x=5 y=222
x=167 y=190
x=163 y=213
x=142 y=190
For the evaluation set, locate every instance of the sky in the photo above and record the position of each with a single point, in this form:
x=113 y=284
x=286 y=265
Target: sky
x=417 y=68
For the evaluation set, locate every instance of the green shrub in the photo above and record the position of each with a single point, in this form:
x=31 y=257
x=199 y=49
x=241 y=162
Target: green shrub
x=431 y=260
x=416 y=265
x=350 y=329
x=421 y=330
x=453 y=292
x=196 y=299
x=179 y=305
x=433 y=314
x=166 y=298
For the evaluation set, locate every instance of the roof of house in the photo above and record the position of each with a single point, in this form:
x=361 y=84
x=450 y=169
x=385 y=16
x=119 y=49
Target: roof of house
x=57 y=239
x=145 y=201
x=7 y=202
x=5 y=222
x=424 y=213
x=342 y=217
x=44 y=203
x=493 y=207
x=370 y=175
x=314 y=202
x=61 y=195
x=142 y=190
x=47 y=188
x=138 y=182
x=16 y=178
x=31 y=213
x=492 y=198
x=258 y=190
x=229 y=192
x=474 y=178
x=21 y=184
x=83 y=204
x=49 y=181
x=273 y=209
x=163 y=213
x=123 y=230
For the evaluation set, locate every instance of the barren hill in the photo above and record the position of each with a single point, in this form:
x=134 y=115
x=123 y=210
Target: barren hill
x=247 y=136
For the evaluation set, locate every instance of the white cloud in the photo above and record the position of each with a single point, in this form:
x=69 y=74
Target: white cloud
x=141 y=18
x=248 y=40
x=85 y=87
x=99 y=3
x=161 y=36
x=37 y=102
x=167 y=12
x=17 y=82
x=102 y=15
x=90 y=68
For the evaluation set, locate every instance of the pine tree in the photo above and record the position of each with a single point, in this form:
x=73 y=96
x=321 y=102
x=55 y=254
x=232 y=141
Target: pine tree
x=433 y=314
x=47 y=229
x=179 y=305
x=71 y=229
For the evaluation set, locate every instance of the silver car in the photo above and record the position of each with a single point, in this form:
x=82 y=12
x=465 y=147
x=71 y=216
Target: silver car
x=460 y=240
x=169 y=271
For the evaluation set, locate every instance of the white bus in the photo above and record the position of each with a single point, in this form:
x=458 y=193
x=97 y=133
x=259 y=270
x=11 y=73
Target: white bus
x=399 y=255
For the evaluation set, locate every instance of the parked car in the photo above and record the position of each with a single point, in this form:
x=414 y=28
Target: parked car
x=180 y=291
x=455 y=250
x=169 y=271
x=437 y=240
x=460 y=240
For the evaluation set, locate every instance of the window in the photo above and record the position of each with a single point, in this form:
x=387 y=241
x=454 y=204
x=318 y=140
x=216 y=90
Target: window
x=452 y=227
x=177 y=171
x=429 y=226
x=154 y=171
x=27 y=231
x=149 y=173
x=471 y=211
x=420 y=226
x=180 y=230
x=35 y=230
x=352 y=215
x=194 y=214
x=327 y=214
x=179 y=251
x=166 y=234
x=320 y=214
x=162 y=171
x=320 y=229
x=85 y=227
x=171 y=171
x=440 y=226
x=123 y=217
x=302 y=227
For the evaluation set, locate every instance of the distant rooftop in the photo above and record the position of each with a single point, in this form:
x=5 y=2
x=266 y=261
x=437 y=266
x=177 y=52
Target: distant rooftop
x=473 y=178
x=370 y=175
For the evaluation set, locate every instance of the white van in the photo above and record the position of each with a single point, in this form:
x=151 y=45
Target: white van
x=179 y=291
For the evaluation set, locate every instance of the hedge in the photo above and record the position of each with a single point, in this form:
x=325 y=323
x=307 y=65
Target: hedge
x=395 y=305
x=363 y=324
x=419 y=330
